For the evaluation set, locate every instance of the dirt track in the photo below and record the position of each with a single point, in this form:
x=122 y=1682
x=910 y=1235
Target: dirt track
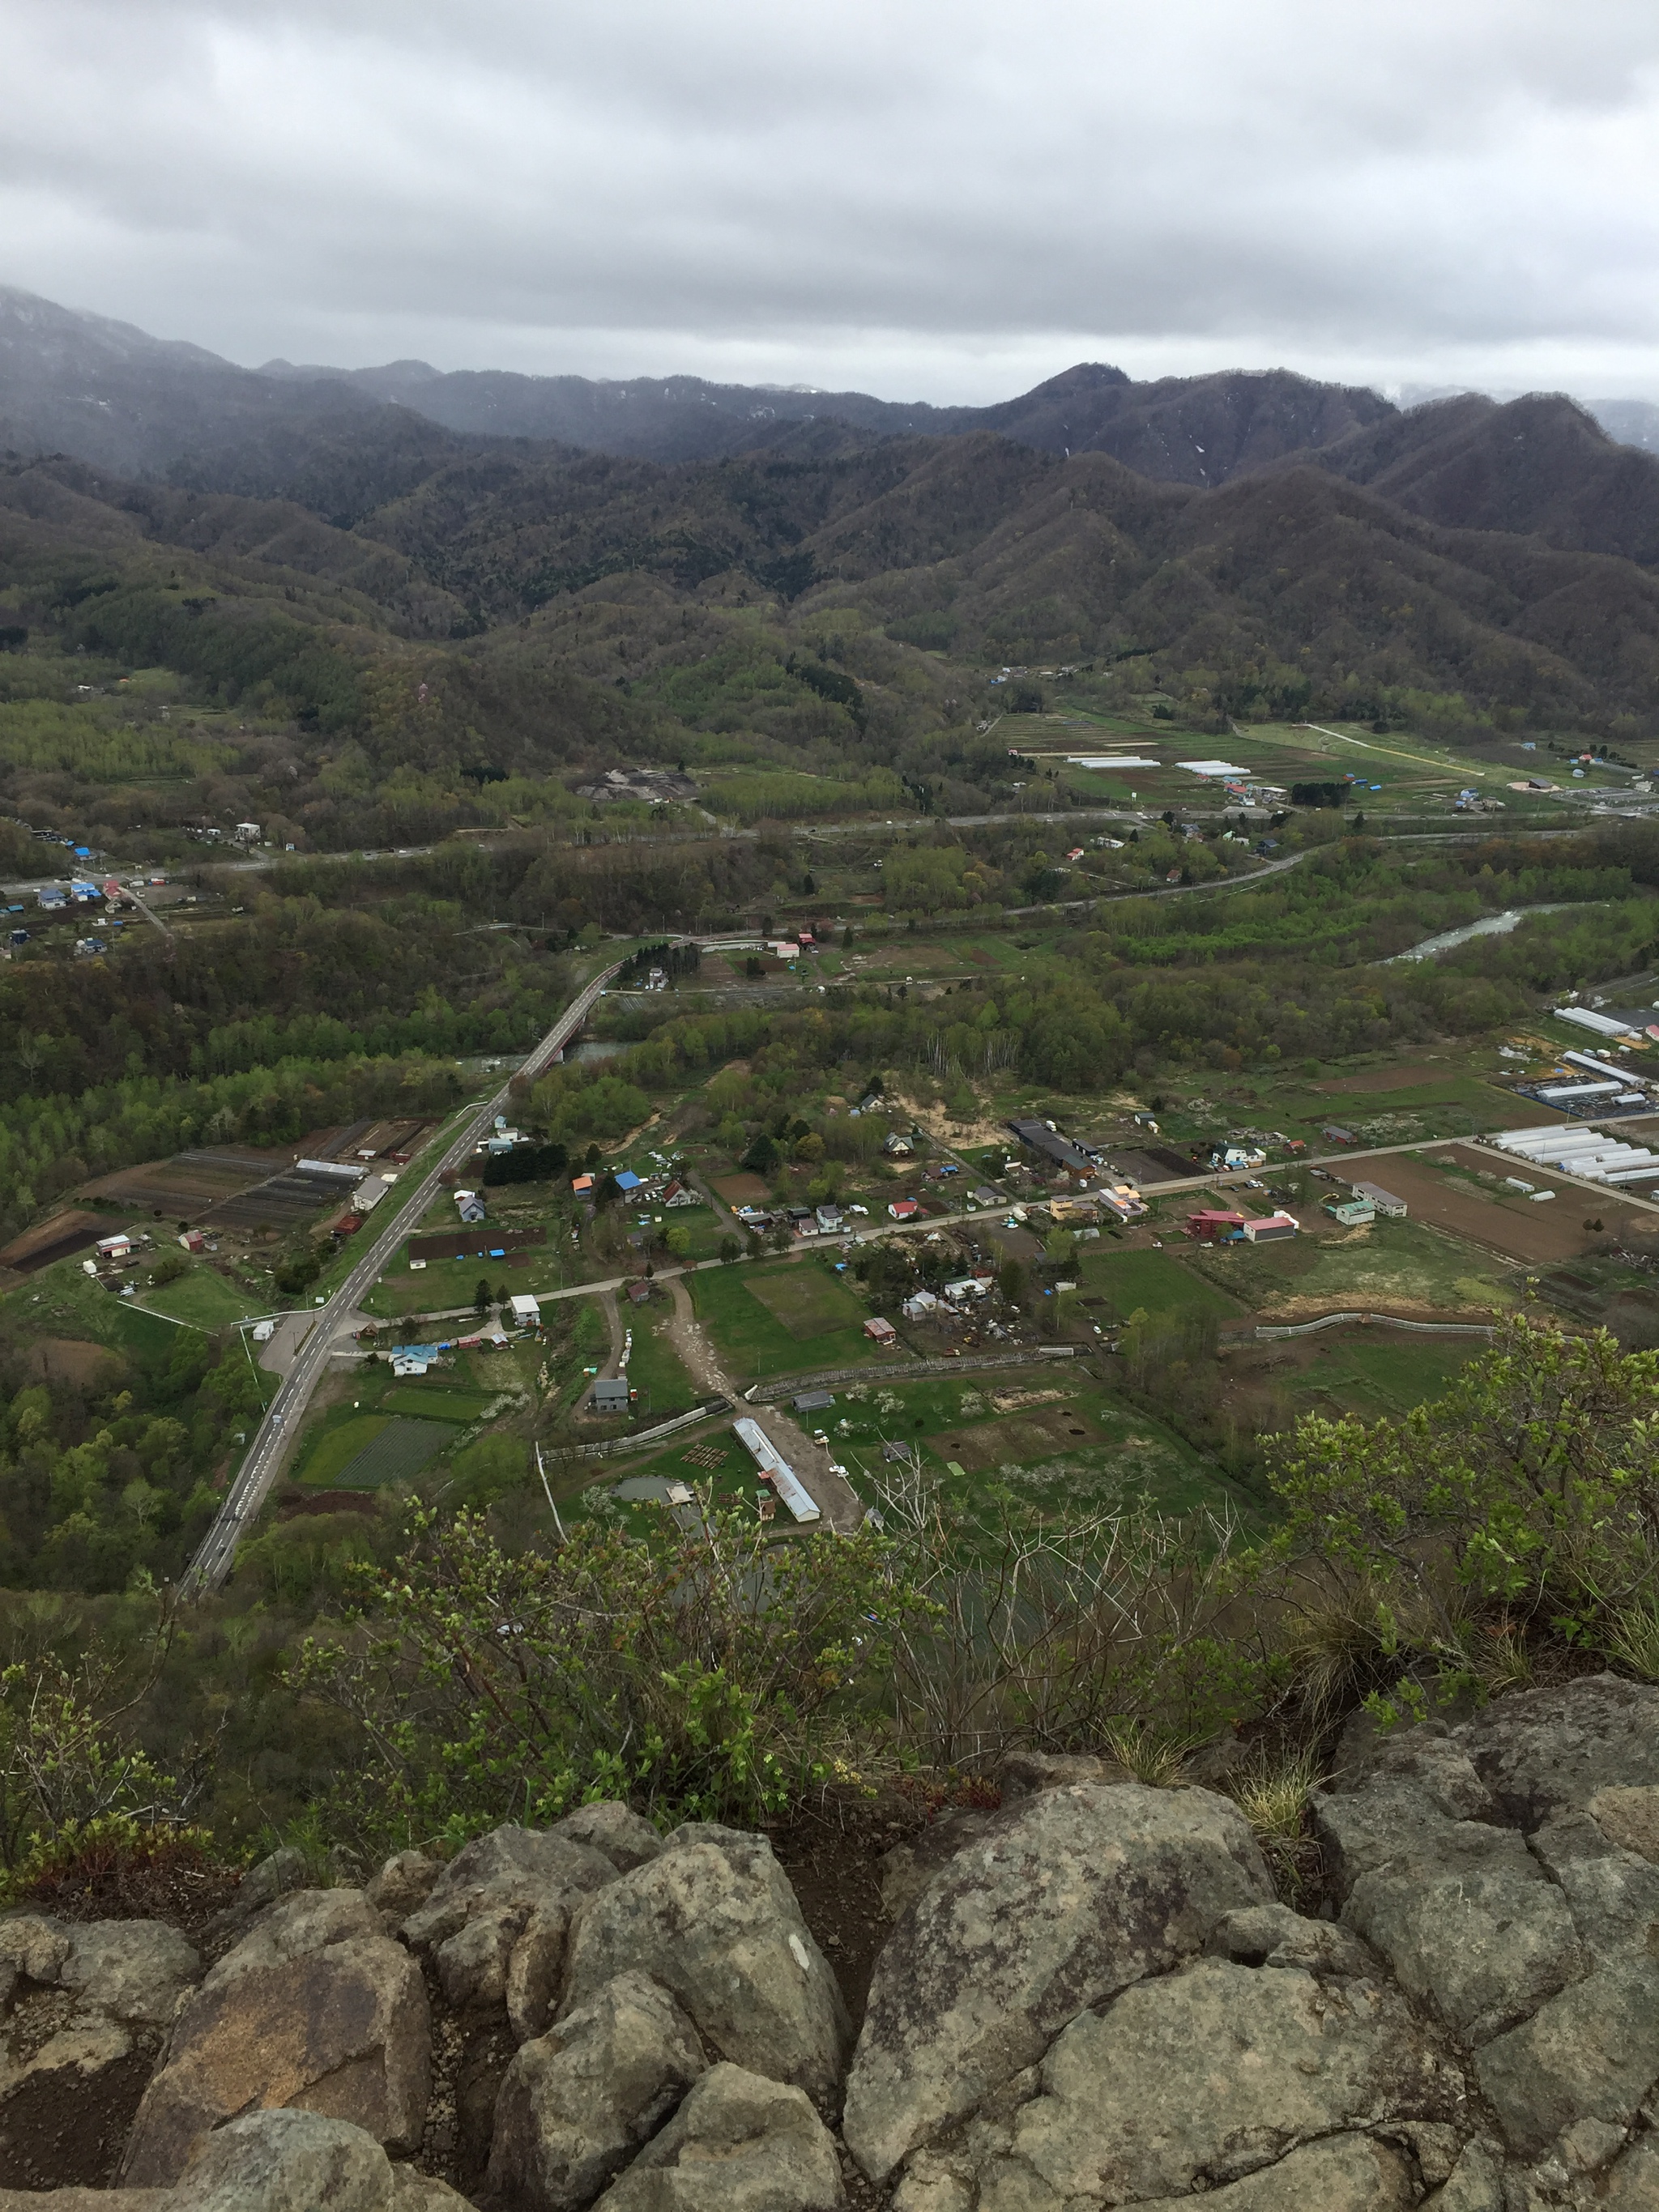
x=833 y=1494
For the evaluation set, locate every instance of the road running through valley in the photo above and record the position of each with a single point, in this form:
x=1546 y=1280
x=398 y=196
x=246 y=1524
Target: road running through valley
x=259 y=1468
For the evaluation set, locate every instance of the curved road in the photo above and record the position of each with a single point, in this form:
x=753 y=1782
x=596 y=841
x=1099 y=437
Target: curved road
x=259 y=1468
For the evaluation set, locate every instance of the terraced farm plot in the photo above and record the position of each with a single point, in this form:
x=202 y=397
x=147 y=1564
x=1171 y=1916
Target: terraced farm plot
x=187 y=1185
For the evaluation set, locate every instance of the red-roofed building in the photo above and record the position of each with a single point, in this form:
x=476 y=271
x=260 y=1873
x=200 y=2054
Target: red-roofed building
x=1209 y=1226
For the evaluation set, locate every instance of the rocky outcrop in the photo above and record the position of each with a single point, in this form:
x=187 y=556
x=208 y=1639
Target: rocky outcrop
x=738 y=2143
x=579 y=2101
x=1091 y=1998
x=85 y=2007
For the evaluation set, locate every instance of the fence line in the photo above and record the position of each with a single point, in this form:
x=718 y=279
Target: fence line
x=764 y=1394
x=1381 y=1320
x=604 y=1447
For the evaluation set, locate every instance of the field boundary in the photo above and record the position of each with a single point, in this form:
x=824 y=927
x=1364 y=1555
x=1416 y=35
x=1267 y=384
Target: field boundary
x=1263 y=1333
x=763 y=1394
x=607 y=1447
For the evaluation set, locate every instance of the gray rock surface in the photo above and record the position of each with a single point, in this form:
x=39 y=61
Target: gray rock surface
x=1591 y=2053
x=713 y=1920
x=738 y=2143
x=1475 y=2183
x=1074 y=1894
x=1463 y=1912
x=135 y=1970
x=580 y=2100
x=1273 y=1935
x=1346 y=2173
x=535 y=1972
x=509 y=1869
x=404 y=1881
x=907 y=1870
x=614 y=1830
x=283 y=2161
x=1632 y=2185
x=315 y=2010
x=1503 y=1870
x=1206 y=2075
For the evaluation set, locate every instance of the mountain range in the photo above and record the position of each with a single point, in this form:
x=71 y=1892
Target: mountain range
x=572 y=573
x=107 y=392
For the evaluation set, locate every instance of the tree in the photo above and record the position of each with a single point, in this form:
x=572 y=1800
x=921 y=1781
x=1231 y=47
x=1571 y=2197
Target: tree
x=730 y=1250
x=676 y=1241
x=699 y=1672
x=1530 y=1493
x=1014 y=1282
x=762 y=1154
x=481 y=1297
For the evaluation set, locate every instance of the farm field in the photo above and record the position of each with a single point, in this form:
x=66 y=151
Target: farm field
x=1398 y=1266
x=1446 y=1189
x=1054 y=1440
x=424 y=1401
x=1375 y=1374
x=1158 y=1284
x=361 y=1451
x=765 y=1322
x=1416 y=773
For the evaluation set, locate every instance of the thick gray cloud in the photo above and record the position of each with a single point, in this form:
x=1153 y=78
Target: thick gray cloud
x=932 y=199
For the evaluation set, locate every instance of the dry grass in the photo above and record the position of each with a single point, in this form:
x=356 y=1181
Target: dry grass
x=1634 y=1641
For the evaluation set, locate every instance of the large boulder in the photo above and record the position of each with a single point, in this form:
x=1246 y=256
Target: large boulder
x=738 y=2143
x=1214 y=2073
x=508 y=1864
x=713 y=1921
x=1467 y=1917
x=580 y=2100
x=315 y=2010
x=1072 y=1895
x=286 y=2161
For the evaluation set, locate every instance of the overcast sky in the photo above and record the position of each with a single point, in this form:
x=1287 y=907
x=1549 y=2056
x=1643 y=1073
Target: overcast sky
x=940 y=199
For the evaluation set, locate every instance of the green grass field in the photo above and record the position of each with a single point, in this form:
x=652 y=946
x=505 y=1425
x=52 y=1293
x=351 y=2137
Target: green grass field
x=654 y=1367
x=335 y=1445
x=205 y=1300
x=743 y=1310
x=1155 y=1283
x=1056 y=1438
x=1378 y=1375
x=399 y=1449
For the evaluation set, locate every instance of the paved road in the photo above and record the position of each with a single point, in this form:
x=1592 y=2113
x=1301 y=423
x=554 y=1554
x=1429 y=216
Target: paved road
x=259 y=1469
